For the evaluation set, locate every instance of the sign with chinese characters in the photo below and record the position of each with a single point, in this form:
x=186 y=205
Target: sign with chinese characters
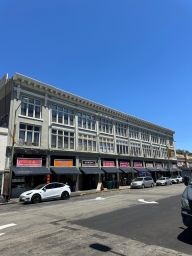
x=137 y=164
x=124 y=164
x=108 y=163
x=63 y=162
x=29 y=162
x=89 y=163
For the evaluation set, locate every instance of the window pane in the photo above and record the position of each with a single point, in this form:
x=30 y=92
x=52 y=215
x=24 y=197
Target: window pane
x=24 y=109
x=22 y=126
x=54 y=116
x=71 y=119
x=37 y=111
x=65 y=118
x=66 y=142
x=22 y=135
x=29 y=127
x=94 y=145
x=85 y=145
x=60 y=142
x=60 y=117
x=29 y=136
x=30 y=110
x=53 y=141
x=36 y=128
x=71 y=143
x=36 y=139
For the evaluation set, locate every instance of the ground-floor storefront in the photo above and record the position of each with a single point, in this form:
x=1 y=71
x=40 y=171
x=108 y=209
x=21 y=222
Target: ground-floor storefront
x=80 y=172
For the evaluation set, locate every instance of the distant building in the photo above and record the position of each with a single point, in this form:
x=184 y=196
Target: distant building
x=55 y=135
x=184 y=160
x=3 y=147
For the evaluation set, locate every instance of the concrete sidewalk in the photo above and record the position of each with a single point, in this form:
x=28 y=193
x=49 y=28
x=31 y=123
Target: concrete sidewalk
x=73 y=194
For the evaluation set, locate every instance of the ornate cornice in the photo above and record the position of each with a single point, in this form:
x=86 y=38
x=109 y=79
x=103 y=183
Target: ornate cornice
x=99 y=108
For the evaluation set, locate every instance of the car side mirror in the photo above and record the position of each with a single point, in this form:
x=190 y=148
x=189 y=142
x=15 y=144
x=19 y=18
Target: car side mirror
x=186 y=181
x=44 y=189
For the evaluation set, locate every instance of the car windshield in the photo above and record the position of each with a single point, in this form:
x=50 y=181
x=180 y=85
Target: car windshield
x=138 y=179
x=40 y=186
x=162 y=178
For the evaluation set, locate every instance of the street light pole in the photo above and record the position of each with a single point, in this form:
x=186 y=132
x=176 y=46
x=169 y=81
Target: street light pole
x=8 y=173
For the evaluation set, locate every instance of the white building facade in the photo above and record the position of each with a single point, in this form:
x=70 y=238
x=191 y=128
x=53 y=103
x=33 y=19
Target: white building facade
x=55 y=135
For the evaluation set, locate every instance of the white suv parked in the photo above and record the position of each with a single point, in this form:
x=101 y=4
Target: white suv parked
x=46 y=192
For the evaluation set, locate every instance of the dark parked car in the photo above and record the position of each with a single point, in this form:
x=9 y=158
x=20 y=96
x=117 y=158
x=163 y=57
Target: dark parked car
x=186 y=203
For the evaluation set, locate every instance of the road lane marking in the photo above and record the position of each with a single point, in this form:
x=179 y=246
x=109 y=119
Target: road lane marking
x=1 y=234
x=147 y=202
x=99 y=198
x=7 y=226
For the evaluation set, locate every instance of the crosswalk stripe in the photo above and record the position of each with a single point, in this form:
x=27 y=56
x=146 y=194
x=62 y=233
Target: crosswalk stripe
x=2 y=234
x=7 y=226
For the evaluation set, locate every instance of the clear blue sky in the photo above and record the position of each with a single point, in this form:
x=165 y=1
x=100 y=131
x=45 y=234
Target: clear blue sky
x=131 y=55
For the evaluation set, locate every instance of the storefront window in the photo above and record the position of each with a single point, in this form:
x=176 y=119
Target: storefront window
x=29 y=135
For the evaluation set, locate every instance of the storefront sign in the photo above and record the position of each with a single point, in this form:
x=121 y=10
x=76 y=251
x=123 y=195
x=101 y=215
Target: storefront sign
x=89 y=163
x=124 y=164
x=149 y=165
x=137 y=164
x=63 y=162
x=108 y=163
x=29 y=162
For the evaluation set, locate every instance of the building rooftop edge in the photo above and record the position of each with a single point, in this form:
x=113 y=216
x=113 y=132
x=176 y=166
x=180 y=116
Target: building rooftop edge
x=18 y=76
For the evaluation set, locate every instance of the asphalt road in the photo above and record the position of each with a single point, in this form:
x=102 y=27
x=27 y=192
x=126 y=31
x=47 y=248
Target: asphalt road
x=154 y=224
x=114 y=223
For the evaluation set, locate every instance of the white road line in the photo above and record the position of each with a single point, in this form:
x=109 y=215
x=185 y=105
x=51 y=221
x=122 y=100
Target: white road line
x=1 y=234
x=147 y=202
x=7 y=226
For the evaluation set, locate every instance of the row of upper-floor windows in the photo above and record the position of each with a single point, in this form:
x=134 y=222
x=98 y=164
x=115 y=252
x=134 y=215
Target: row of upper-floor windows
x=30 y=135
x=66 y=116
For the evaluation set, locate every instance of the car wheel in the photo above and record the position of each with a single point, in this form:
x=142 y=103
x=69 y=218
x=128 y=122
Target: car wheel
x=65 y=195
x=36 y=199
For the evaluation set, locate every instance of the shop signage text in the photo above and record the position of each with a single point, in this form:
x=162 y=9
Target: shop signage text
x=137 y=164
x=89 y=163
x=108 y=163
x=29 y=162
x=63 y=162
x=124 y=164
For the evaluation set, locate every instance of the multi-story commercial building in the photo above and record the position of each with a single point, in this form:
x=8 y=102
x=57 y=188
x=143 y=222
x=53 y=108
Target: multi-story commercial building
x=55 y=135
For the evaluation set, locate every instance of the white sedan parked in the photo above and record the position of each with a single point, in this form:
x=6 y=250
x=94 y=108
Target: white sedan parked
x=45 y=192
x=163 y=181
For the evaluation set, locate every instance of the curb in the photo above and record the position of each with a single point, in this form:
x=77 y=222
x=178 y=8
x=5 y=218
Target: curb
x=73 y=195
